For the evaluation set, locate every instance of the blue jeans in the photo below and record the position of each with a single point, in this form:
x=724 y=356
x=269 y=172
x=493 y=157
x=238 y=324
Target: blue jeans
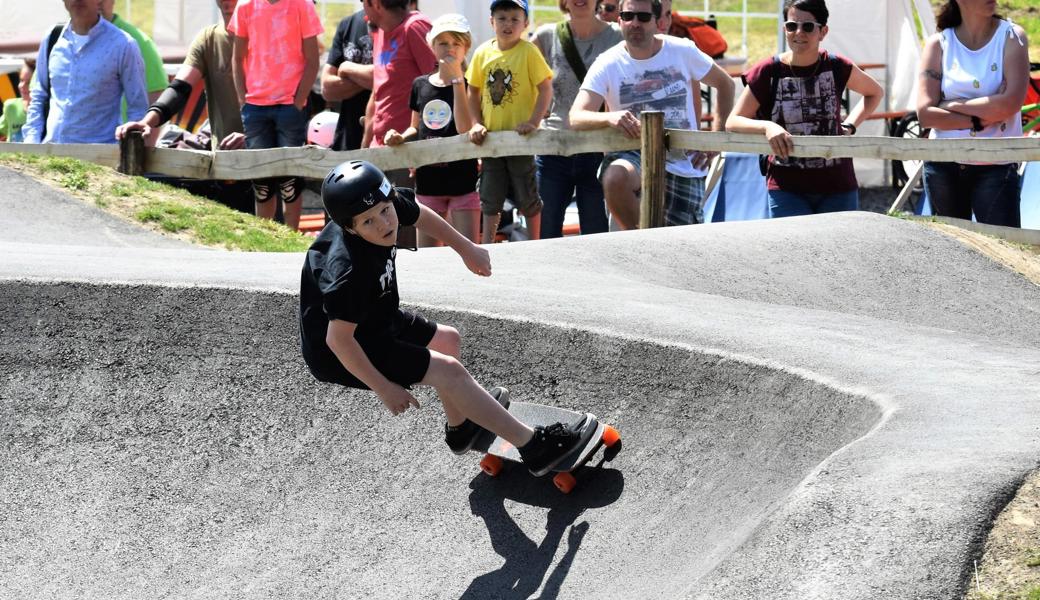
x=277 y=126
x=565 y=178
x=992 y=192
x=793 y=204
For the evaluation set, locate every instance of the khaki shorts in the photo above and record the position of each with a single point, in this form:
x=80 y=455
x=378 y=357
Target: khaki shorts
x=500 y=176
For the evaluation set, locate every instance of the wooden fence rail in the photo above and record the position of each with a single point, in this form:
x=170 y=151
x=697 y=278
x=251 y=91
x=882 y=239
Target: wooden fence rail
x=313 y=162
x=317 y=162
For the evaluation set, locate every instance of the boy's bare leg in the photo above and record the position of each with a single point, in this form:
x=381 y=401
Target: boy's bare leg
x=467 y=222
x=457 y=388
x=266 y=205
x=490 y=228
x=534 y=226
x=291 y=213
x=621 y=184
x=447 y=341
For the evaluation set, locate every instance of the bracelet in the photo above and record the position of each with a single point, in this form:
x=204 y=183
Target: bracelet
x=976 y=124
x=850 y=126
x=458 y=80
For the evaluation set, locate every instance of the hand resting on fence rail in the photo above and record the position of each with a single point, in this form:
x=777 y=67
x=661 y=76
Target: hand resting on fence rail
x=317 y=162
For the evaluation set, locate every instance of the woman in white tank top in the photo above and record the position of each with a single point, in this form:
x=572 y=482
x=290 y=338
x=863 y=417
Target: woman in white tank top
x=973 y=78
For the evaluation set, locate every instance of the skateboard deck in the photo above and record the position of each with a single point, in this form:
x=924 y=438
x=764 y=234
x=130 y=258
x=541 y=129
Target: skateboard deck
x=596 y=435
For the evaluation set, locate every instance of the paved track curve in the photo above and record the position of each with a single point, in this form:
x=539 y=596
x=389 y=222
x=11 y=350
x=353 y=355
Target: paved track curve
x=821 y=407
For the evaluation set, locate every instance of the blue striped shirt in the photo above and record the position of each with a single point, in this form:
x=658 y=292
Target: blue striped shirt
x=86 y=87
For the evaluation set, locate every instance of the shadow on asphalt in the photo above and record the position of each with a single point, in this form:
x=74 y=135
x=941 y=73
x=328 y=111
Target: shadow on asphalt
x=527 y=562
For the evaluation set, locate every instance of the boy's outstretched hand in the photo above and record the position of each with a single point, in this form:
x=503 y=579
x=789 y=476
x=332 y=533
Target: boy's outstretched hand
x=397 y=399
x=477 y=259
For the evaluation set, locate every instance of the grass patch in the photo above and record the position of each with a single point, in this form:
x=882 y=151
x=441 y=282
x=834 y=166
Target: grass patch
x=160 y=207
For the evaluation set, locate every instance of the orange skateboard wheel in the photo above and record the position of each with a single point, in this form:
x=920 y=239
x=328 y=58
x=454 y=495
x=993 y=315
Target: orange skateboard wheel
x=491 y=464
x=610 y=436
x=565 y=482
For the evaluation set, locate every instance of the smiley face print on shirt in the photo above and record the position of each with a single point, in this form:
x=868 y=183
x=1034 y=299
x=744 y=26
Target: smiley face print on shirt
x=436 y=115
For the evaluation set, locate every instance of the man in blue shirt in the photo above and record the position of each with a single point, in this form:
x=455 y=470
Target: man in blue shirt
x=92 y=65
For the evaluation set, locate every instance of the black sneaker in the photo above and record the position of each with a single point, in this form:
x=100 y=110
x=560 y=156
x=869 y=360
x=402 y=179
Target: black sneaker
x=552 y=444
x=461 y=438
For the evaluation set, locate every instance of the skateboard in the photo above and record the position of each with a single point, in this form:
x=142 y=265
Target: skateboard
x=498 y=451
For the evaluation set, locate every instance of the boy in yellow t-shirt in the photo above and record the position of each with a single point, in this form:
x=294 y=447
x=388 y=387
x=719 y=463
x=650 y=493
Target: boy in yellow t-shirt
x=510 y=88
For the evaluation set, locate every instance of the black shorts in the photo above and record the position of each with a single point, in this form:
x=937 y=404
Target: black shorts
x=399 y=353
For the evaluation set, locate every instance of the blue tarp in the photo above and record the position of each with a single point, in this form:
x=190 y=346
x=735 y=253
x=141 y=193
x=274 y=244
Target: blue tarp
x=741 y=192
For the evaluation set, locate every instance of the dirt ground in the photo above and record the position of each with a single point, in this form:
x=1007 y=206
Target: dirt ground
x=1010 y=565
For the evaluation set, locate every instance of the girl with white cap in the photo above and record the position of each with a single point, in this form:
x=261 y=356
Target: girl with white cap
x=439 y=110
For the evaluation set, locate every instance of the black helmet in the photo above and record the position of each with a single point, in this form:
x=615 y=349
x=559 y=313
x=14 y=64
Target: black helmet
x=352 y=188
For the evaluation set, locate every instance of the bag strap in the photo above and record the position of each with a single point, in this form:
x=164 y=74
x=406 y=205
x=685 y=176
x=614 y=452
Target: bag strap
x=774 y=80
x=51 y=40
x=563 y=33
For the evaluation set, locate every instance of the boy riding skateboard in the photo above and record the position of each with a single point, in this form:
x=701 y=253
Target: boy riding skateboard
x=354 y=333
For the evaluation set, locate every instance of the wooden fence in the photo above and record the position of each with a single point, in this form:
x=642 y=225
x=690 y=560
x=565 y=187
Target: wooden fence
x=313 y=162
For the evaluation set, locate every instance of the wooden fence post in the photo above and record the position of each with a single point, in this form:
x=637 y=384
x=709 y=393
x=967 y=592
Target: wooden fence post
x=652 y=153
x=131 y=154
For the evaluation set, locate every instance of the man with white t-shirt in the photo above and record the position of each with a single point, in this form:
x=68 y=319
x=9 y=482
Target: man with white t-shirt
x=650 y=72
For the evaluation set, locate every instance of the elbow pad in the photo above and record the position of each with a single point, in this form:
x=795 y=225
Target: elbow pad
x=172 y=100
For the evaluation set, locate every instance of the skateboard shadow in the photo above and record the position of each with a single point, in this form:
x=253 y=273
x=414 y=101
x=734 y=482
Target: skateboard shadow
x=527 y=562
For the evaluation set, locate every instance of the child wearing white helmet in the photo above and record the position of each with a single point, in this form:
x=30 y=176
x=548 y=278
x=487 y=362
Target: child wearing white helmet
x=321 y=131
x=440 y=110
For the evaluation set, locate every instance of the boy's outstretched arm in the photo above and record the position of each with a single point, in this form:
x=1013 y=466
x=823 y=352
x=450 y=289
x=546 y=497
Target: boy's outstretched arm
x=340 y=339
x=475 y=257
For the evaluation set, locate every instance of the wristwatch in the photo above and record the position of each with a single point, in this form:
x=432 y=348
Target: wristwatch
x=976 y=124
x=851 y=127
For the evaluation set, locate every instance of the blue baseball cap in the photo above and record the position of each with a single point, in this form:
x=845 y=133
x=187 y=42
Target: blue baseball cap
x=520 y=3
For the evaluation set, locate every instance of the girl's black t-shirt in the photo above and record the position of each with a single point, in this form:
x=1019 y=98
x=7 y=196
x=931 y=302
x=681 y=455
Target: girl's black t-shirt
x=436 y=106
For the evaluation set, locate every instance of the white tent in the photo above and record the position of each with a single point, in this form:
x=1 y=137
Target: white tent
x=178 y=21
x=882 y=32
x=26 y=23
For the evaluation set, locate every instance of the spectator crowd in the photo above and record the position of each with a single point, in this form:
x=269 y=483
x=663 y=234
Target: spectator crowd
x=394 y=75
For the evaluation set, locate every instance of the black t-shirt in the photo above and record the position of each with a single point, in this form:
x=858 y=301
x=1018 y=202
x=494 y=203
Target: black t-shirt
x=346 y=278
x=353 y=43
x=436 y=106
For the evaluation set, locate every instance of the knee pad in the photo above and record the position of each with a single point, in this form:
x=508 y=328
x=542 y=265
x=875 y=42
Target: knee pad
x=287 y=191
x=261 y=192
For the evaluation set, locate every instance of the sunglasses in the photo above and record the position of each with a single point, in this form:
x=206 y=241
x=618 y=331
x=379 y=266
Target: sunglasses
x=807 y=26
x=644 y=17
x=608 y=8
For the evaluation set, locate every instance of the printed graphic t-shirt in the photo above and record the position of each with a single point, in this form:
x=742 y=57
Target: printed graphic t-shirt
x=807 y=102
x=661 y=82
x=352 y=43
x=274 y=62
x=346 y=278
x=436 y=108
x=508 y=82
x=399 y=57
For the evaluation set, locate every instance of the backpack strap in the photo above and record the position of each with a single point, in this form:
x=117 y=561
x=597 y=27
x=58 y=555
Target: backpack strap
x=51 y=40
x=563 y=33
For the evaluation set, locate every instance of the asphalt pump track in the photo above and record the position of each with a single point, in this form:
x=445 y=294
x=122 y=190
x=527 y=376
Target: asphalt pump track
x=824 y=407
